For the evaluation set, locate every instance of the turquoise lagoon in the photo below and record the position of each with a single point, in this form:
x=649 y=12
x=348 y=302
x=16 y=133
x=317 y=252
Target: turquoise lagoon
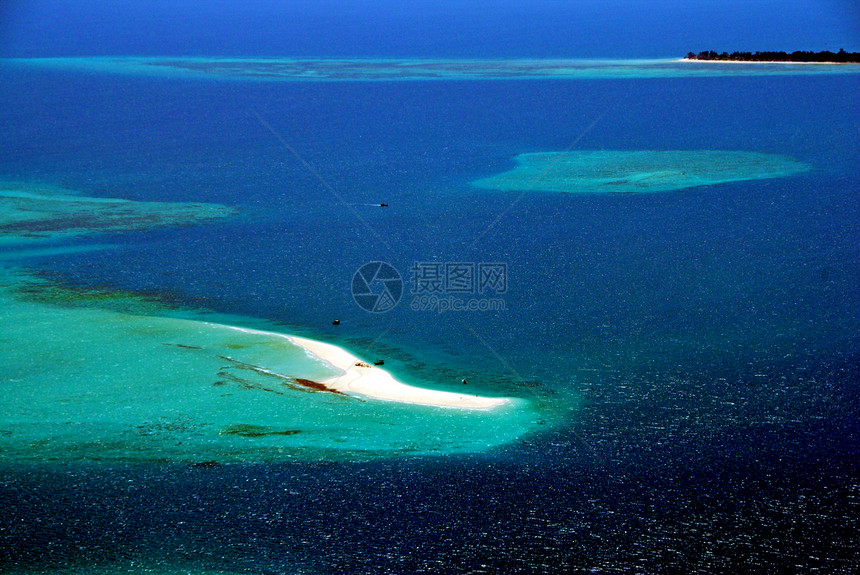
x=87 y=383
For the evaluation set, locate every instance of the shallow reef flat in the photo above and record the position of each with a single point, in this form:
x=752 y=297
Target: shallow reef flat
x=633 y=172
x=340 y=69
x=31 y=212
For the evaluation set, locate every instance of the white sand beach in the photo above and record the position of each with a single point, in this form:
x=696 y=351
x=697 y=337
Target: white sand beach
x=361 y=378
x=370 y=381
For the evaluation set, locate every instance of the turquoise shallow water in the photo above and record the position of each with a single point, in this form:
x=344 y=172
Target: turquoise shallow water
x=637 y=172
x=84 y=383
x=32 y=213
x=367 y=69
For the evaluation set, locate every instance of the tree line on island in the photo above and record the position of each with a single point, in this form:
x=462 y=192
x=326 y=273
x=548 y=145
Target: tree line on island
x=840 y=57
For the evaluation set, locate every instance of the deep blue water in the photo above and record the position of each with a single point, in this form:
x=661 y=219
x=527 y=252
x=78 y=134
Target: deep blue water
x=708 y=337
x=424 y=28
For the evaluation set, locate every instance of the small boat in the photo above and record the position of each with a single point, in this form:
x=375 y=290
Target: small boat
x=379 y=362
x=336 y=322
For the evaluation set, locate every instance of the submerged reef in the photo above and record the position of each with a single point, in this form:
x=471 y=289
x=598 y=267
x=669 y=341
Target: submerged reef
x=369 y=69
x=35 y=212
x=637 y=171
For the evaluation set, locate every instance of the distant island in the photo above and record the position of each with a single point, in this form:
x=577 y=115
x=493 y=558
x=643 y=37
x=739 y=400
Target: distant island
x=826 y=57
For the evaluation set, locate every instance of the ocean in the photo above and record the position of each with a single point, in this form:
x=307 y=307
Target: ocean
x=685 y=361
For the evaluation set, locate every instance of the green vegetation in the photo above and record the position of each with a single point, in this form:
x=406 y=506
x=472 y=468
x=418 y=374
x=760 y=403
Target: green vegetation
x=840 y=57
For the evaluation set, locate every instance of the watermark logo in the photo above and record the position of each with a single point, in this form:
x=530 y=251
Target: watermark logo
x=377 y=287
x=459 y=278
x=434 y=286
x=458 y=286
